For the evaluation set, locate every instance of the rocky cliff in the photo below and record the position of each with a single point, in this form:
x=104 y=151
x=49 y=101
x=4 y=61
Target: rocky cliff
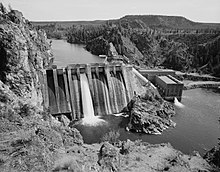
x=30 y=138
x=150 y=114
x=24 y=54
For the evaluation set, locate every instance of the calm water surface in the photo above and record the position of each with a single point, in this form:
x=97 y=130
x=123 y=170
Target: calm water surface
x=66 y=53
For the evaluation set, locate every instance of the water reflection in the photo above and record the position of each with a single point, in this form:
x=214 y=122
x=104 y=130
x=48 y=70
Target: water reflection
x=66 y=53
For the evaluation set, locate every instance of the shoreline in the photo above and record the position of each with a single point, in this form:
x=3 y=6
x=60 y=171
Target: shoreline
x=196 y=76
x=201 y=84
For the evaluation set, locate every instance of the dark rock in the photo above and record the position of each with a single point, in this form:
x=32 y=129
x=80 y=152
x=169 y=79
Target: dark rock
x=108 y=157
x=16 y=16
x=24 y=53
x=150 y=115
x=213 y=157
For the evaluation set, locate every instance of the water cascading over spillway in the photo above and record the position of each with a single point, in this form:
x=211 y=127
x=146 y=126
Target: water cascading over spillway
x=177 y=103
x=57 y=91
x=87 y=105
x=105 y=95
x=118 y=91
x=86 y=91
x=109 y=93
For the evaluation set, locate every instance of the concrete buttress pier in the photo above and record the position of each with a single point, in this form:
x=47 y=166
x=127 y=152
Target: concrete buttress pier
x=109 y=85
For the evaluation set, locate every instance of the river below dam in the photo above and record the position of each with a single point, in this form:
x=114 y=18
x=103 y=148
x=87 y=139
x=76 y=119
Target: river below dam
x=197 y=128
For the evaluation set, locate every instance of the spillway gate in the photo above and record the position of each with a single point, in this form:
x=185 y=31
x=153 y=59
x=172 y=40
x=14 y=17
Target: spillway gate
x=109 y=85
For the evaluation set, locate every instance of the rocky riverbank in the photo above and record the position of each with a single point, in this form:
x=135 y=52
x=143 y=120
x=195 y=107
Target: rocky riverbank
x=129 y=156
x=150 y=114
x=201 y=84
x=196 y=76
x=213 y=157
x=195 y=80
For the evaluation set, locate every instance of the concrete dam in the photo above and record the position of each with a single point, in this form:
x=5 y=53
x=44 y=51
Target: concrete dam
x=78 y=90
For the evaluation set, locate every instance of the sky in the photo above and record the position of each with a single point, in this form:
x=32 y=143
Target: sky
x=74 y=10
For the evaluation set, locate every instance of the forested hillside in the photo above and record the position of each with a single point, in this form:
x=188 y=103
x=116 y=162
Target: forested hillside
x=149 y=41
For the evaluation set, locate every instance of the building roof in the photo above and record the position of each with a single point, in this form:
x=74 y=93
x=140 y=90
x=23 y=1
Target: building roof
x=167 y=80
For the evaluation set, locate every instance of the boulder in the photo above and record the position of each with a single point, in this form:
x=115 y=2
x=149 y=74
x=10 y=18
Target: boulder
x=126 y=147
x=109 y=157
x=65 y=121
x=150 y=115
x=71 y=137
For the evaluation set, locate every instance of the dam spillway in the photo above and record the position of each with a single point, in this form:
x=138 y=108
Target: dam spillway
x=66 y=89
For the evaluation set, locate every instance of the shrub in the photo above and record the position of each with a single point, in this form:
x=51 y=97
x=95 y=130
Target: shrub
x=111 y=137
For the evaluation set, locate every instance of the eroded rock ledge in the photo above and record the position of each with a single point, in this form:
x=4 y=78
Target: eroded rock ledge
x=24 y=52
x=150 y=115
x=138 y=156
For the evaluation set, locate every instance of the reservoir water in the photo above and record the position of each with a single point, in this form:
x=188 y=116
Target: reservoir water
x=197 y=128
x=66 y=53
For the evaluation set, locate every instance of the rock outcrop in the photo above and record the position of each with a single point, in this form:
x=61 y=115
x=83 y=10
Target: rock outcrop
x=142 y=157
x=213 y=156
x=109 y=157
x=24 y=53
x=30 y=138
x=150 y=114
x=123 y=46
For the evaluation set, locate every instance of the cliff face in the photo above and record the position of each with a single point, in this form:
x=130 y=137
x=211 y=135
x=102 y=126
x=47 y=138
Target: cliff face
x=124 y=47
x=30 y=138
x=24 y=53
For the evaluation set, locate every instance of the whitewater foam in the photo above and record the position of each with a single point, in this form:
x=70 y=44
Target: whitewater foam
x=93 y=121
x=177 y=103
x=121 y=114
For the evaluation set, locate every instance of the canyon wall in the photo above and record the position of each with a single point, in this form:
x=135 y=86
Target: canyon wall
x=25 y=52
